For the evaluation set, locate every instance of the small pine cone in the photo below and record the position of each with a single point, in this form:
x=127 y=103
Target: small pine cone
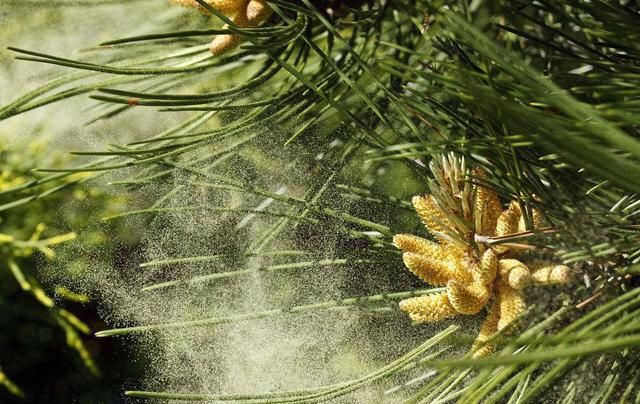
x=486 y=273
x=224 y=43
x=431 y=215
x=552 y=274
x=244 y=14
x=486 y=350
x=432 y=307
x=488 y=328
x=257 y=12
x=508 y=220
x=431 y=270
x=467 y=299
x=487 y=207
x=514 y=272
x=537 y=221
x=511 y=303
x=226 y=7
x=419 y=245
x=519 y=277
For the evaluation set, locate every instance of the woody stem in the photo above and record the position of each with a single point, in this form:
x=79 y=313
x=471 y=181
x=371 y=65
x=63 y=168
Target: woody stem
x=513 y=236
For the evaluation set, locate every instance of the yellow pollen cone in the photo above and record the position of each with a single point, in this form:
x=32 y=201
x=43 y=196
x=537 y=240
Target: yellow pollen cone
x=431 y=270
x=419 y=245
x=226 y=7
x=428 y=308
x=243 y=13
x=514 y=272
x=508 y=220
x=258 y=11
x=552 y=274
x=488 y=328
x=511 y=303
x=467 y=299
x=431 y=215
x=223 y=43
x=537 y=221
x=487 y=207
x=488 y=268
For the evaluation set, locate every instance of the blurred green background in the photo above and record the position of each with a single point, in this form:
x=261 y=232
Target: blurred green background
x=47 y=350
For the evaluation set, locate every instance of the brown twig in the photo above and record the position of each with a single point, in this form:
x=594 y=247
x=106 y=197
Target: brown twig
x=513 y=236
x=588 y=300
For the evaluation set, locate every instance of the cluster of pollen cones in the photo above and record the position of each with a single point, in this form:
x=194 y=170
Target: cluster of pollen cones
x=475 y=277
x=243 y=13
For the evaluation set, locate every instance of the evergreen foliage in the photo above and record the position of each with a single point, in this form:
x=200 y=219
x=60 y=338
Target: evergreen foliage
x=543 y=96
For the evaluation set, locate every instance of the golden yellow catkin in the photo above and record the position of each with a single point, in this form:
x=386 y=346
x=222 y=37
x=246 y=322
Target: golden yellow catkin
x=486 y=272
x=225 y=42
x=431 y=270
x=243 y=13
x=511 y=303
x=444 y=258
x=487 y=207
x=537 y=221
x=226 y=7
x=508 y=220
x=551 y=274
x=519 y=277
x=419 y=245
x=467 y=298
x=431 y=215
x=432 y=307
x=514 y=272
x=257 y=12
x=488 y=328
